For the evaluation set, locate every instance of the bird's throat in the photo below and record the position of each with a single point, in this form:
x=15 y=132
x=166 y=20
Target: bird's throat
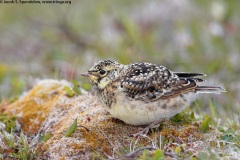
x=103 y=82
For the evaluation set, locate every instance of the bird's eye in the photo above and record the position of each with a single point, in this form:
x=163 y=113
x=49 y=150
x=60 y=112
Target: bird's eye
x=102 y=72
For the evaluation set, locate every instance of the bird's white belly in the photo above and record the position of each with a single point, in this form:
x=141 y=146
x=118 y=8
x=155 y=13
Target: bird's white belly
x=141 y=113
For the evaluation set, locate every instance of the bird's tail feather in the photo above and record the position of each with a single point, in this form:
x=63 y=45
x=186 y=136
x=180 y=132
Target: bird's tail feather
x=189 y=75
x=209 y=89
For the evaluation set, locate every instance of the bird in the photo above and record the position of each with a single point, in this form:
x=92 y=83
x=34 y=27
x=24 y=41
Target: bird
x=144 y=93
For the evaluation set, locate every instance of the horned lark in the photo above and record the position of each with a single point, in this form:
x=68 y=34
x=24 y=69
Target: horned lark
x=144 y=93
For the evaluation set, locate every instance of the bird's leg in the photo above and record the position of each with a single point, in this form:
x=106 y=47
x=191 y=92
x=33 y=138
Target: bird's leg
x=145 y=130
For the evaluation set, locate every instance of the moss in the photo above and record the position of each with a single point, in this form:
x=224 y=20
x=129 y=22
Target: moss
x=181 y=130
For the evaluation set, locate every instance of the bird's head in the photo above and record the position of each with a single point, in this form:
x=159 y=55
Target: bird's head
x=103 y=73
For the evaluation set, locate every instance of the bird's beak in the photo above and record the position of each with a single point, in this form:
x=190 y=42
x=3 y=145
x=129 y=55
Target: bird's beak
x=88 y=74
x=91 y=77
x=85 y=74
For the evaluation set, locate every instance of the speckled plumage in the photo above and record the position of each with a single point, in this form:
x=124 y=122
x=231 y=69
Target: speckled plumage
x=143 y=93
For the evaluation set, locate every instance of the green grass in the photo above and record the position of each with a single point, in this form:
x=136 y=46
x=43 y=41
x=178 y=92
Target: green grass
x=16 y=146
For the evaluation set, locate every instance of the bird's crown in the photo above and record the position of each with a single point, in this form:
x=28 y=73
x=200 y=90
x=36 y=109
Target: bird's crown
x=104 y=66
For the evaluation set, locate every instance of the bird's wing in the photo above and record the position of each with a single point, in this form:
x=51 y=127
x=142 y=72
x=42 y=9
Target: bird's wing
x=189 y=82
x=150 y=82
x=184 y=85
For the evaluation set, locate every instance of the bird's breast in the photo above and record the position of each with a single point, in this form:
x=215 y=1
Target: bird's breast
x=108 y=95
x=136 y=112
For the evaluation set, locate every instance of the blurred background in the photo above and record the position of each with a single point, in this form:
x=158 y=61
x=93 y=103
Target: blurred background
x=60 y=41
